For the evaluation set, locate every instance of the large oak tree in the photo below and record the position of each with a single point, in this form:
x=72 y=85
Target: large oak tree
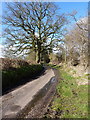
x=33 y=25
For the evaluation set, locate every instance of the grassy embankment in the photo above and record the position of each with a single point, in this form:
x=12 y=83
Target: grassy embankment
x=71 y=100
x=17 y=76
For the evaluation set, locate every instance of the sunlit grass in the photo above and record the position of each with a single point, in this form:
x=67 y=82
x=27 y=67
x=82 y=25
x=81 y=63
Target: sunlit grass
x=71 y=99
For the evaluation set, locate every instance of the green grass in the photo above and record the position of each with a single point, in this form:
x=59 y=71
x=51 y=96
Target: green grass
x=11 y=78
x=71 y=99
x=54 y=66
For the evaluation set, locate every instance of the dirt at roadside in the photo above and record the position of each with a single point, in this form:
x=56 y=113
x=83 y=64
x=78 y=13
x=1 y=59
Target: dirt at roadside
x=41 y=106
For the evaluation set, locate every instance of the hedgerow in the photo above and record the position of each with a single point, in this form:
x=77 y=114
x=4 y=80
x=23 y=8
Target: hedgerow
x=19 y=74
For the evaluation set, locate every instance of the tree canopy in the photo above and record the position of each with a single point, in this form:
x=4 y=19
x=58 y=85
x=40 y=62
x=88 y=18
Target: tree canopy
x=33 y=25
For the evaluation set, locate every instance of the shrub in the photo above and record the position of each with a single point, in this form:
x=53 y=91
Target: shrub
x=7 y=63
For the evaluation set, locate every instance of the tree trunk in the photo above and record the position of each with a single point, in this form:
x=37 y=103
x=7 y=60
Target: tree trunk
x=39 y=58
x=39 y=52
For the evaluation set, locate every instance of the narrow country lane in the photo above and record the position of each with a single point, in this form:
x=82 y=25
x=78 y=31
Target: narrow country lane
x=15 y=101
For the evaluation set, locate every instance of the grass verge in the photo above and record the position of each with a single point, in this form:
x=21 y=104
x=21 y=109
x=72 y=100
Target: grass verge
x=71 y=100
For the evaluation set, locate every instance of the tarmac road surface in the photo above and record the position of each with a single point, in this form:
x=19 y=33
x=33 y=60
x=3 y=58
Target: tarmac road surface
x=13 y=102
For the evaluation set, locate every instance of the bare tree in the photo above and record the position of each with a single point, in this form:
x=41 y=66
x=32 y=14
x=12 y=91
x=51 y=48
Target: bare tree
x=77 y=40
x=82 y=24
x=33 y=25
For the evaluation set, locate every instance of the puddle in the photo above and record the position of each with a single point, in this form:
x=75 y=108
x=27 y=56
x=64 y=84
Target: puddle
x=53 y=79
x=36 y=98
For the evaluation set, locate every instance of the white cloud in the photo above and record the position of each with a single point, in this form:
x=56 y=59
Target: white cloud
x=1 y=50
x=83 y=20
x=36 y=34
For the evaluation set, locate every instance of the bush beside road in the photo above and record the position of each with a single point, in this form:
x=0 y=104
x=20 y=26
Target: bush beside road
x=14 y=76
